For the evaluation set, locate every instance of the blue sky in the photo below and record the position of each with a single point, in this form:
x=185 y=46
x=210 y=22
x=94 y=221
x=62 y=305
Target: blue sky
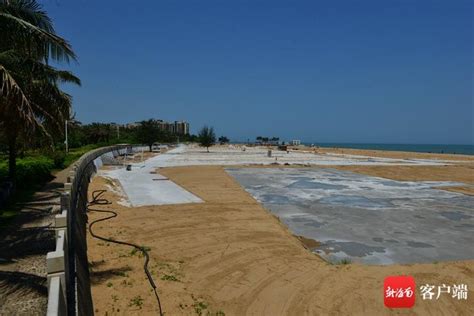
x=394 y=71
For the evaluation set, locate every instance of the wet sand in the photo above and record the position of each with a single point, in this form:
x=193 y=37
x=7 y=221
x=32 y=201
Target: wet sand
x=231 y=255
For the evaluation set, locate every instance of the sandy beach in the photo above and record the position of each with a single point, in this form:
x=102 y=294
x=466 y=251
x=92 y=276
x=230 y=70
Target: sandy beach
x=229 y=255
x=236 y=158
x=388 y=154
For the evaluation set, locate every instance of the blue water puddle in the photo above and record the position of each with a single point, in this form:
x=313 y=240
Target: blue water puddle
x=366 y=219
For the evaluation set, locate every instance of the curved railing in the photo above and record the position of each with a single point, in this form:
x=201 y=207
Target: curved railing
x=69 y=291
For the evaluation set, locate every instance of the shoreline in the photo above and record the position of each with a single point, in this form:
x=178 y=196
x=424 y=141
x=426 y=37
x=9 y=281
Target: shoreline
x=429 y=148
x=374 y=148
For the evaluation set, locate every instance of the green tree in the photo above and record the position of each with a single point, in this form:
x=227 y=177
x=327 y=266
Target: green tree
x=98 y=133
x=207 y=138
x=148 y=132
x=30 y=97
x=223 y=140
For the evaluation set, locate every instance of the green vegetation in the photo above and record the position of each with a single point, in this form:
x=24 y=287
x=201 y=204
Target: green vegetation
x=35 y=111
x=135 y=251
x=223 y=140
x=33 y=170
x=103 y=134
x=32 y=173
x=32 y=105
x=36 y=167
x=76 y=153
x=148 y=132
x=207 y=137
x=168 y=277
x=36 y=162
x=199 y=307
x=266 y=140
x=29 y=170
x=136 y=301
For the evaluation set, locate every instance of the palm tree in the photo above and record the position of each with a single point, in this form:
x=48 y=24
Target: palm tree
x=30 y=97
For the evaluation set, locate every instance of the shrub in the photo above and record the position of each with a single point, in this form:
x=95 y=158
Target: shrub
x=76 y=153
x=31 y=170
x=58 y=158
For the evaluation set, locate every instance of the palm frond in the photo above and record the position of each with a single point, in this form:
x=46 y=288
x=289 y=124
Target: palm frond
x=56 y=47
x=67 y=76
x=9 y=89
x=30 y=11
x=36 y=69
x=51 y=105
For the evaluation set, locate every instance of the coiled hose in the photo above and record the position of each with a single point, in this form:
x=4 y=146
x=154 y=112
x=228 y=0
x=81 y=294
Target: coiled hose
x=97 y=199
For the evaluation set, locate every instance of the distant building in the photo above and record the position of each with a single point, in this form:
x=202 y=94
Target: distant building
x=181 y=128
x=175 y=128
x=296 y=142
x=131 y=125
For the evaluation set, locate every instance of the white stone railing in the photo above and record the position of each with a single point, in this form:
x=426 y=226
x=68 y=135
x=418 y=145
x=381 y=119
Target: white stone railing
x=56 y=261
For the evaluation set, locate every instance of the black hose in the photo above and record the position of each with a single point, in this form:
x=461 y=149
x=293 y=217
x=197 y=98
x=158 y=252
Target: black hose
x=98 y=200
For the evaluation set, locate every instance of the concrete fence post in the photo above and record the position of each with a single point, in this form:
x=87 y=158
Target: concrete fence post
x=55 y=265
x=71 y=175
x=56 y=297
x=65 y=200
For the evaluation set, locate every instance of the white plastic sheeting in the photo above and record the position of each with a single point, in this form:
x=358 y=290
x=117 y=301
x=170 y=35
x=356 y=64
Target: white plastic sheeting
x=367 y=219
x=143 y=186
x=241 y=155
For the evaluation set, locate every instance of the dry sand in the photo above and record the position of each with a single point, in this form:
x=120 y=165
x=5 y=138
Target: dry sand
x=231 y=255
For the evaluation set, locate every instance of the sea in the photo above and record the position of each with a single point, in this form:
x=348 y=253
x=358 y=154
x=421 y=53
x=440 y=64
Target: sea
x=422 y=148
